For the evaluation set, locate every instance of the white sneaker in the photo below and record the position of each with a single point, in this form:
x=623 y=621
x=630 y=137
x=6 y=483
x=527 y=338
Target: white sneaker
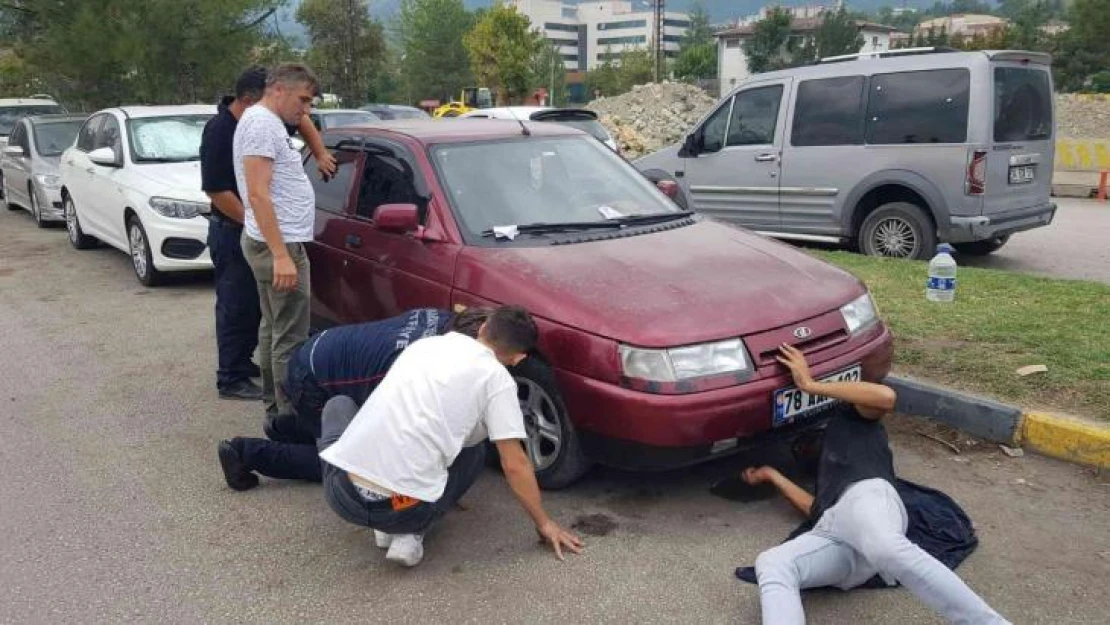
x=406 y=549
x=382 y=540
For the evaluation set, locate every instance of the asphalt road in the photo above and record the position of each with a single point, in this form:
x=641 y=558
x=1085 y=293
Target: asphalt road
x=1076 y=245
x=113 y=509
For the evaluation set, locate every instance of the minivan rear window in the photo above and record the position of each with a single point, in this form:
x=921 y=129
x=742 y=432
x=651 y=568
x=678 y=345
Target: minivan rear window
x=918 y=107
x=1022 y=104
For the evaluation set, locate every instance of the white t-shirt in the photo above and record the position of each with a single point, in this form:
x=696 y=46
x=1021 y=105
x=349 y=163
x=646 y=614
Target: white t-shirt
x=442 y=393
x=261 y=133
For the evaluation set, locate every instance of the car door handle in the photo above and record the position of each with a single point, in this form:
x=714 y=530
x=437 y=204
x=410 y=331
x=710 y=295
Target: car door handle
x=766 y=158
x=353 y=241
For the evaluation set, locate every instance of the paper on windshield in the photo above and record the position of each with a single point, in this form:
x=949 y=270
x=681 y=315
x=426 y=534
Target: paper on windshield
x=609 y=212
x=505 y=232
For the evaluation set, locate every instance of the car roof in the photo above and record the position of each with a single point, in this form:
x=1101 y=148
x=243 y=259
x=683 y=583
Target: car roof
x=27 y=102
x=448 y=130
x=165 y=111
x=899 y=60
x=57 y=117
x=333 y=111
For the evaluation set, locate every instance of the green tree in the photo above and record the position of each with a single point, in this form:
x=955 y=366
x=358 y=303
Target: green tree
x=1084 y=49
x=434 y=61
x=502 y=46
x=697 y=57
x=838 y=34
x=768 y=48
x=549 y=71
x=603 y=79
x=347 y=49
x=637 y=67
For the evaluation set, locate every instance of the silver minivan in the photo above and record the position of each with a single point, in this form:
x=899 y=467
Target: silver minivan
x=890 y=154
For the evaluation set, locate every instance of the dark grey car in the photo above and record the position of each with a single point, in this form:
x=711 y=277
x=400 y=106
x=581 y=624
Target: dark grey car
x=889 y=154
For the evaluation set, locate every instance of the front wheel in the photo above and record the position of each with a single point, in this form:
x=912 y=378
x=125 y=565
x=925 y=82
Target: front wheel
x=982 y=248
x=898 y=230
x=4 y=196
x=141 y=258
x=552 y=442
x=36 y=208
x=77 y=237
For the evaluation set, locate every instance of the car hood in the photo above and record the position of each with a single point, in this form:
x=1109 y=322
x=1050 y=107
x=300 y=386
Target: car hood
x=179 y=181
x=692 y=284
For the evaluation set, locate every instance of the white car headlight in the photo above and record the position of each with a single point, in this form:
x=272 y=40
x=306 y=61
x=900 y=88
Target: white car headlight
x=859 y=313
x=178 y=209
x=684 y=363
x=49 y=181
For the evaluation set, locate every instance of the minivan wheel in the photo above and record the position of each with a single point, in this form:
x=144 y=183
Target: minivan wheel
x=552 y=444
x=982 y=248
x=898 y=230
x=77 y=237
x=141 y=257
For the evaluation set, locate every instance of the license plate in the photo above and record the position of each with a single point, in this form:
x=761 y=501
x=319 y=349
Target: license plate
x=1022 y=174
x=791 y=403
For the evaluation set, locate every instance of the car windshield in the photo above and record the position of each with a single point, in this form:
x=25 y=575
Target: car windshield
x=532 y=180
x=9 y=115
x=342 y=120
x=168 y=139
x=52 y=138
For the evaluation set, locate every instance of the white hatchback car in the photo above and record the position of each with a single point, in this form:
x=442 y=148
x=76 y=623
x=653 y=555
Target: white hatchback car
x=132 y=180
x=582 y=119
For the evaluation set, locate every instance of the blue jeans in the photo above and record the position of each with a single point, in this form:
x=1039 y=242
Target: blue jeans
x=864 y=534
x=237 y=310
x=380 y=515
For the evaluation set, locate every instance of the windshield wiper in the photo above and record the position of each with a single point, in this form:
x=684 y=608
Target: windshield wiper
x=637 y=220
x=165 y=159
x=566 y=226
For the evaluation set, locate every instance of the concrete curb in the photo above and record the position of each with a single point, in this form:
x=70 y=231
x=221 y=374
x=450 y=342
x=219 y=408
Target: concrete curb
x=1066 y=438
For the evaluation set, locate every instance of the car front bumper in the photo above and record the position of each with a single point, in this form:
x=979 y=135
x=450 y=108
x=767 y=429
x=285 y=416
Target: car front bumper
x=968 y=229
x=177 y=244
x=636 y=430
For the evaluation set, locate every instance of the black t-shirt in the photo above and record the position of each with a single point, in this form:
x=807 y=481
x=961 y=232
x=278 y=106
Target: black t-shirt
x=217 y=164
x=352 y=360
x=855 y=449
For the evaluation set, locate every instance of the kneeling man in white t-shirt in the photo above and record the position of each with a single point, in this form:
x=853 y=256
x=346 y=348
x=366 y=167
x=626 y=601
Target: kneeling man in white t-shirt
x=418 y=443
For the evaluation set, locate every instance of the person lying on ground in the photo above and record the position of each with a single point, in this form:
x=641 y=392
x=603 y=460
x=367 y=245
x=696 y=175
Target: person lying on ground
x=403 y=459
x=860 y=519
x=351 y=360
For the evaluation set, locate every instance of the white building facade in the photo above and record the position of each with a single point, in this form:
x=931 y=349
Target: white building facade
x=590 y=33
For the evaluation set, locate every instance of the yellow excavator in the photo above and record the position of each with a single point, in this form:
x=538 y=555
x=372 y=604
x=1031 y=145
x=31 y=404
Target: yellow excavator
x=472 y=98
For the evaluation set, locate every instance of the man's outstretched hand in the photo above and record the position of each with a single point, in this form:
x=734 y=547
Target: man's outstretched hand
x=559 y=538
x=795 y=360
x=755 y=476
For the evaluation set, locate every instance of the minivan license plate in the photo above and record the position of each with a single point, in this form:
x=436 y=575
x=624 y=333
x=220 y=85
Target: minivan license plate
x=792 y=403
x=1022 y=174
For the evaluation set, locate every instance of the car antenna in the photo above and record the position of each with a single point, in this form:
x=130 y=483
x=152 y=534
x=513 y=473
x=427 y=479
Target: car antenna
x=523 y=129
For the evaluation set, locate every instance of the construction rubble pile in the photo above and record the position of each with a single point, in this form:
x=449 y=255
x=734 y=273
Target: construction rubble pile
x=1085 y=116
x=651 y=116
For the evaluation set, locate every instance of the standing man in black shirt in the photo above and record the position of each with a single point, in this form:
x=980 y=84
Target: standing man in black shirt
x=860 y=519
x=237 y=309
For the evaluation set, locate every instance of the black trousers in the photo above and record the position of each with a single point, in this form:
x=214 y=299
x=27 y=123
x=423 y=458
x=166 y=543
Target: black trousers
x=237 y=310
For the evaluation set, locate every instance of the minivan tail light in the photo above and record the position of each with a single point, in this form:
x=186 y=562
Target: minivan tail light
x=977 y=173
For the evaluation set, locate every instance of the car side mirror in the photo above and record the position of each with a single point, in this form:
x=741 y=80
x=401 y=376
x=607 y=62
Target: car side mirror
x=668 y=187
x=398 y=218
x=691 y=147
x=104 y=156
x=13 y=150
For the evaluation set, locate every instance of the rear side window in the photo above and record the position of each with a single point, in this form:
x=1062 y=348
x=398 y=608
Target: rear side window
x=918 y=107
x=829 y=112
x=331 y=194
x=1022 y=104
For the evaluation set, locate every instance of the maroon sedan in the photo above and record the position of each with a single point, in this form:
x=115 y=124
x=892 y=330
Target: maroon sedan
x=659 y=327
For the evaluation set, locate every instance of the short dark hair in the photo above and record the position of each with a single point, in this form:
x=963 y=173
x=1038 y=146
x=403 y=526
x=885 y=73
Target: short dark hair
x=468 y=321
x=511 y=328
x=251 y=83
x=293 y=74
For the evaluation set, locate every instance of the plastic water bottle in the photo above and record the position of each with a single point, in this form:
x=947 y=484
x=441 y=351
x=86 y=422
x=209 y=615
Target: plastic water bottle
x=941 y=286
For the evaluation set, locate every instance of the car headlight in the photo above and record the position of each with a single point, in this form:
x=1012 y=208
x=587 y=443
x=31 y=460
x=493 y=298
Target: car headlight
x=178 y=209
x=859 y=313
x=49 y=181
x=684 y=363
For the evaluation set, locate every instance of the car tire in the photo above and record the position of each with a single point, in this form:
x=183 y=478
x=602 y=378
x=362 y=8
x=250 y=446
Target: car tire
x=77 y=237
x=36 y=209
x=142 y=259
x=898 y=230
x=4 y=196
x=536 y=387
x=982 y=248
x=656 y=175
